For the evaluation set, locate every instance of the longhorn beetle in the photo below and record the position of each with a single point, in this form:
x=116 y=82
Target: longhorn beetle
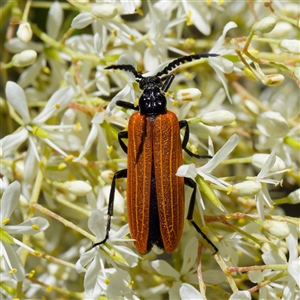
x=155 y=195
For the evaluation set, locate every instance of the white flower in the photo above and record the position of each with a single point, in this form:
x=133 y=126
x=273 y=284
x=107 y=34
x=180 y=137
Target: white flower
x=187 y=270
x=96 y=275
x=272 y=124
x=186 y=95
x=218 y=118
x=76 y=187
x=220 y=64
x=264 y=26
x=128 y=90
x=245 y=295
x=292 y=46
x=188 y=292
x=9 y=202
x=269 y=169
x=24 y=59
x=24 y=32
x=247 y=188
x=198 y=14
x=101 y=22
x=288 y=285
x=96 y=133
x=47 y=55
x=54 y=20
x=34 y=129
x=205 y=171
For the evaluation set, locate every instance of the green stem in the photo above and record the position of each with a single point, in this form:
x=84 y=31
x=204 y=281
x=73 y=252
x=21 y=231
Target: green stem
x=50 y=41
x=63 y=221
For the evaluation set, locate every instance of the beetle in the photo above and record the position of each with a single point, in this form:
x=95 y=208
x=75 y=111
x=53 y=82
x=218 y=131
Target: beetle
x=155 y=195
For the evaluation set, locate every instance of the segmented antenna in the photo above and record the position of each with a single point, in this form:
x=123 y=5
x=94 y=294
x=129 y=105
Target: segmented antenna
x=175 y=63
x=128 y=68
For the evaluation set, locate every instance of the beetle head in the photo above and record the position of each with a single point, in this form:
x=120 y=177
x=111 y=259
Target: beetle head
x=152 y=101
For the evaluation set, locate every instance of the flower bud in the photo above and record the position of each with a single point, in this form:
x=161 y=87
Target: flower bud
x=106 y=10
x=24 y=32
x=273 y=79
x=272 y=124
x=218 y=118
x=294 y=197
x=264 y=26
x=292 y=46
x=247 y=188
x=107 y=175
x=258 y=160
x=277 y=229
x=76 y=187
x=187 y=95
x=24 y=59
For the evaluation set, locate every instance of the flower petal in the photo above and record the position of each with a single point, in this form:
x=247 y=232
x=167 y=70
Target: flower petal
x=221 y=154
x=12 y=261
x=189 y=171
x=121 y=95
x=245 y=295
x=10 y=199
x=293 y=269
x=218 y=45
x=55 y=104
x=17 y=99
x=31 y=226
x=89 y=141
x=190 y=254
x=163 y=268
x=90 y=278
x=96 y=224
x=11 y=142
x=82 y=20
x=84 y=259
x=128 y=6
x=187 y=292
x=267 y=165
x=54 y=19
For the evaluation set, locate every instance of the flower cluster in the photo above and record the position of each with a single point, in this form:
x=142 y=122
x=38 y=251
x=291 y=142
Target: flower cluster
x=59 y=148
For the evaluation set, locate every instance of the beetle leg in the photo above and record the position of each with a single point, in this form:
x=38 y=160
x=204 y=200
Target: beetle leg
x=110 y=211
x=123 y=135
x=168 y=82
x=128 y=105
x=191 y=183
x=184 y=123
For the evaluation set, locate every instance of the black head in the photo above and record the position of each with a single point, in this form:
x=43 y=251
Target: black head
x=152 y=100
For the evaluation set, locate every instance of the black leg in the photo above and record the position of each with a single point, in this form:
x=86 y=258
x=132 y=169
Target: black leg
x=185 y=124
x=167 y=83
x=191 y=183
x=110 y=211
x=126 y=104
x=123 y=135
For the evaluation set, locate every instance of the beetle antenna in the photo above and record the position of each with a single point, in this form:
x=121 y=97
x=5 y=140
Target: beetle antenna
x=128 y=68
x=175 y=63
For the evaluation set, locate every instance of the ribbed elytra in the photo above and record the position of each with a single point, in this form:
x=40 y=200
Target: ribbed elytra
x=155 y=195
